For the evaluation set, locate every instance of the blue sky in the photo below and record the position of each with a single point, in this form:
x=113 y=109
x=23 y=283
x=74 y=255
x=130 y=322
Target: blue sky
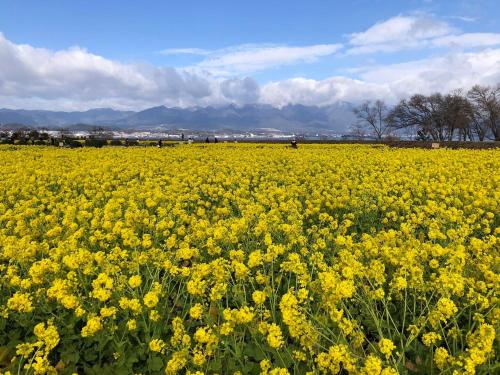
x=130 y=54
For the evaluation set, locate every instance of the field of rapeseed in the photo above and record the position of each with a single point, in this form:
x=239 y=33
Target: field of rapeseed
x=249 y=259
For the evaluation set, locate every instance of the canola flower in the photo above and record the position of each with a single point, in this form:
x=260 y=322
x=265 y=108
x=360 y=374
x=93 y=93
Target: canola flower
x=249 y=259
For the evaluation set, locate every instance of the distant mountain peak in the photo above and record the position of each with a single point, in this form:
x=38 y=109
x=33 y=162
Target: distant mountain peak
x=248 y=117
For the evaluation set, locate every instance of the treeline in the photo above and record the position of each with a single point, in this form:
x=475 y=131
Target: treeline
x=467 y=116
x=26 y=136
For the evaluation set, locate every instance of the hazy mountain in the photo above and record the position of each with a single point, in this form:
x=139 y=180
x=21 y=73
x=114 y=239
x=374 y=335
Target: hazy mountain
x=98 y=116
x=8 y=116
x=252 y=117
x=336 y=117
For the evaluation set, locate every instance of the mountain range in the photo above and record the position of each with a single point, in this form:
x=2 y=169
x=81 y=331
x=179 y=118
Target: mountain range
x=253 y=117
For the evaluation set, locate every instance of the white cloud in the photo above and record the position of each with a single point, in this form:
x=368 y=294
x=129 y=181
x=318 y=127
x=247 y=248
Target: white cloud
x=443 y=73
x=463 y=18
x=76 y=73
x=416 y=32
x=242 y=91
x=468 y=40
x=249 y=58
x=391 y=82
x=321 y=92
x=185 y=51
x=76 y=79
x=400 y=32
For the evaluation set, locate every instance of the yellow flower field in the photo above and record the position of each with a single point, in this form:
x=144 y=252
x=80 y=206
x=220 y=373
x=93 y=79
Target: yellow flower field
x=249 y=259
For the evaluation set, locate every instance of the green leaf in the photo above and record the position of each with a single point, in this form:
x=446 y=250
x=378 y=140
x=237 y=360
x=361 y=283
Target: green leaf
x=155 y=363
x=70 y=356
x=254 y=352
x=5 y=355
x=215 y=365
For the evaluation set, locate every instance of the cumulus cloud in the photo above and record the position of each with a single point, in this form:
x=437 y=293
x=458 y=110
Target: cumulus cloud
x=391 y=82
x=74 y=78
x=321 y=92
x=241 y=91
x=443 y=73
x=77 y=77
x=77 y=74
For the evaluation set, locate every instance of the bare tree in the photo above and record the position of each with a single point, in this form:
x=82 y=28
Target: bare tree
x=373 y=115
x=65 y=133
x=457 y=115
x=486 y=109
x=358 y=131
x=98 y=132
x=418 y=113
x=437 y=117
